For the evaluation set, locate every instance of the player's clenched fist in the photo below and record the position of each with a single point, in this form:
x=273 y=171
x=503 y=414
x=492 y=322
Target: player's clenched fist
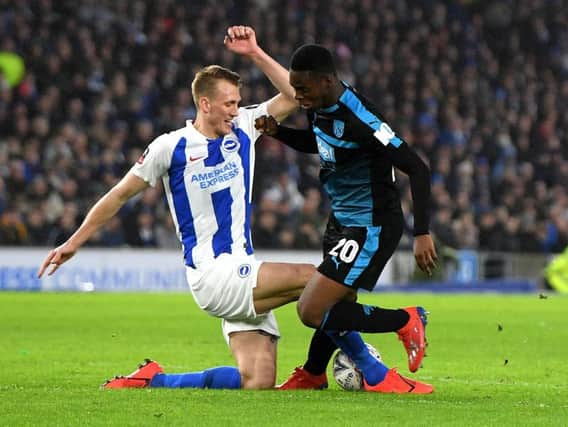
x=241 y=40
x=266 y=124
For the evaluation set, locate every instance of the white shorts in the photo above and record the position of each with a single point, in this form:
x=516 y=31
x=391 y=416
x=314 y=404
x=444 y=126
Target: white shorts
x=223 y=288
x=264 y=322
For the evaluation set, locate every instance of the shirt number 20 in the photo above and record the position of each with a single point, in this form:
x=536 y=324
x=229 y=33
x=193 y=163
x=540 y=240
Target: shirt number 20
x=345 y=250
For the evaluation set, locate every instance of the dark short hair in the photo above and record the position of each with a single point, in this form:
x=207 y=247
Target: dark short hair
x=313 y=57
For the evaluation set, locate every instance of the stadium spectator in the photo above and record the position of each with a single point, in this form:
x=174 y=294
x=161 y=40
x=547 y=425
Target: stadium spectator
x=165 y=233
x=265 y=230
x=13 y=230
x=310 y=221
x=3 y=195
x=112 y=234
x=283 y=198
x=65 y=227
x=485 y=83
x=38 y=227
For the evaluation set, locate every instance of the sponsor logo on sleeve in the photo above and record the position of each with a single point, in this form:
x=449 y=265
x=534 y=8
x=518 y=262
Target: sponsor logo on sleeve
x=384 y=134
x=143 y=156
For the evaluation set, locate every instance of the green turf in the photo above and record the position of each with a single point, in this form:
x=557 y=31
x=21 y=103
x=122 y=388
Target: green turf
x=56 y=349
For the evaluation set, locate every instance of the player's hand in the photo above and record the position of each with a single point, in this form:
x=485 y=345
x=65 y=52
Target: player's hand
x=241 y=40
x=425 y=253
x=266 y=124
x=56 y=257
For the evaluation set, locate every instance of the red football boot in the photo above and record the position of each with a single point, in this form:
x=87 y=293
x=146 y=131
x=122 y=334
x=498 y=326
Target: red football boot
x=303 y=380
x=413 y=336
x=140 y=378
x=396 y=383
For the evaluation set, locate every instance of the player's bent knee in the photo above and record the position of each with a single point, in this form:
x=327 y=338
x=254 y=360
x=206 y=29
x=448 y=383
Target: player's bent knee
x=262 y=383
x=305 y=273
x=246 y=379
x=259 y=378
x=351 y=296
x=256 y=358
x=299 y=275
x=308 y=316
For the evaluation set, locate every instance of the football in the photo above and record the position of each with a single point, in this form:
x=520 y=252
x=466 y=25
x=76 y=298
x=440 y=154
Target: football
x=346 y=374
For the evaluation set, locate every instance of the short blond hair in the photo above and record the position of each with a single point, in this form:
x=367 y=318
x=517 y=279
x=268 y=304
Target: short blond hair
x=205 y=81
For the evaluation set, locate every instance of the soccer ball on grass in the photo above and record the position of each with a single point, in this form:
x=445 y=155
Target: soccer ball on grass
x=346 y=374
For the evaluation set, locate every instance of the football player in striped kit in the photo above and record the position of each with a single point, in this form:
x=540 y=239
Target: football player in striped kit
x=206 y=168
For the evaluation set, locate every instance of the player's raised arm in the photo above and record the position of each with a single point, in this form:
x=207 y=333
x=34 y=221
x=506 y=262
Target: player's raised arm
x=100 y=213
x=242 y=40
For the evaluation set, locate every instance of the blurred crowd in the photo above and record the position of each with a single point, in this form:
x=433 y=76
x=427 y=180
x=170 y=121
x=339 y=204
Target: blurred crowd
x=479 y=88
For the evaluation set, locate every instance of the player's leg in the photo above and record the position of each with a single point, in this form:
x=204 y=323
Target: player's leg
x=312 y=374
x=323 y=305
x=274 y=281
x=279 y=283
x=255 y=353
x=220 y=377
x=253 y=344
x=355 y=259
x=409 y=323
x=319 y=297
x=242 y=287
x=151 y=374
x=225 y=289
x=377 y=376
x=341 y=248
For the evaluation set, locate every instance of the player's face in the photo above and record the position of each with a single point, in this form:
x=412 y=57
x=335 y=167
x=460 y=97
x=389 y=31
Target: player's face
x=223 y=107
x=311 y=89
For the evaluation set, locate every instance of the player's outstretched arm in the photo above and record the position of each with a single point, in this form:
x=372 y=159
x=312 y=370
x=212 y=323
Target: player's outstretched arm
x=99 y=214
x=242 y=40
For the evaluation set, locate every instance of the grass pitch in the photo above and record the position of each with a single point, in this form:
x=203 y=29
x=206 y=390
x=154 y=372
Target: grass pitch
x=494 y=360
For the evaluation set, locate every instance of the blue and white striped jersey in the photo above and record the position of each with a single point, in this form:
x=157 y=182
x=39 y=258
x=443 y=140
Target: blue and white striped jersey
x=208 y=185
